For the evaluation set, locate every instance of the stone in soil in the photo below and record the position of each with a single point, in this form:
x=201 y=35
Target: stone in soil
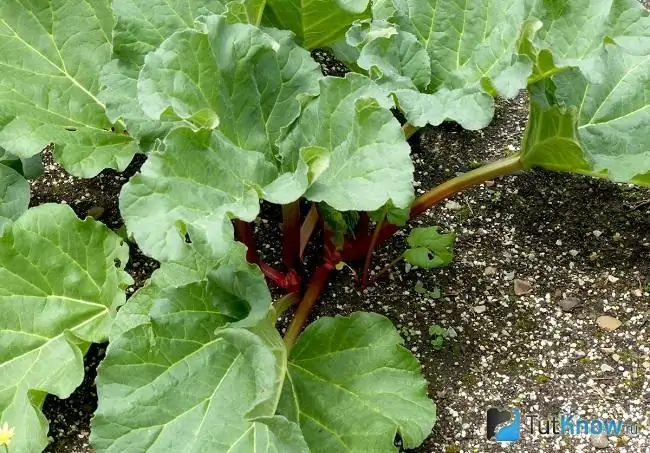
x=567 y=305
x=608 y=323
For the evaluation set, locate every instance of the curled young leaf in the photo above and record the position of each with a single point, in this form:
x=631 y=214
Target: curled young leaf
x=340 y=224
x=430 y=249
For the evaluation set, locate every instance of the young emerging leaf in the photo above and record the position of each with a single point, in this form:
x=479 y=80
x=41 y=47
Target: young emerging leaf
x=340 y=224
x=356 y=366
x=51 y=58
x=317 y=23
x=392 y=214
x=61 y=281
x=430 y=249
x=14 y=195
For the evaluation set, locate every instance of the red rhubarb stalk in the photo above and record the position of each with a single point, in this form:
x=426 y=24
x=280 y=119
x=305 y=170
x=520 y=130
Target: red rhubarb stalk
x=244 y=233
x=356 y=250
x=291 y=234
x=313 y=292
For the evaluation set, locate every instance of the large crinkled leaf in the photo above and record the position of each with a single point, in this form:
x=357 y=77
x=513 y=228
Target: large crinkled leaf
x=188 y=388
x=198 y=179
x=445 y=60
x=199 y=382
x=61 y=281
x=140 y=28
x=204 y=255
x=574 y=31
x=353 y=387
x=317 y=23
x=206 y=370
x=601 y=128
x=51 y=58
x=369 y=160
x=248 y=84
x=14 y=195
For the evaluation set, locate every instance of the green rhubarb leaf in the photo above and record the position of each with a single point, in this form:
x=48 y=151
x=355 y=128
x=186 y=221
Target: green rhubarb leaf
x=215 y=338
x=595 y=128
x=248 y=83
x=203 y=256
x=574 y=31
x=49 y=84
x=197 y=180
x=316 y=23
x=244 y=87
x=197 y=345
x=447 y=60
x=430 y=249
x=14 y=195
x=369 y=160
x=140 y=28
x=61 y=281
x=356 y=366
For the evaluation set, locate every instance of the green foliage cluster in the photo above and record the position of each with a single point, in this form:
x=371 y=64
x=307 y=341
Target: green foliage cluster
x=226 y=102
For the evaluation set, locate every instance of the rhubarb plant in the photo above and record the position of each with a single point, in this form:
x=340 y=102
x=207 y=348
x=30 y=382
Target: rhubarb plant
x=231 y=111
